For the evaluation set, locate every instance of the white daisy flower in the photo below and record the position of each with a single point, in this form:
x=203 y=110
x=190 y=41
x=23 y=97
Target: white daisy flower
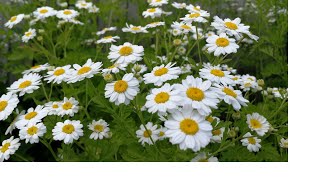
x=83 y=4
x=230 y=96
x=179 y=5
x=225 y=67
x=93 y=9
x=108 y=39
x=44 y=12
x=52 y=107
x=198 y=94
x=237 y=79
x=59 y=74
x=30 y=34
x=32 y=132
x=208 y=34
x=186 y=68
x=139 y=68
x=103 y=31
x=14 y=20
x=258 y=123
x=67 y=131
x=175 y=32
x=134 y=29
x=88 y=70
x=37 y=68
x=126 y=53
x=32 y=116
x=145 y=135
x=8 y=102
x=188 y=128
x=152 y=12
x=9 y=147
x=154 y=24
x=193 y=9
x=100 y=129
x=184 y=27
x=284 y=143
x=163 y=99
x=251 y=142
x=196 y=17
x=182 y=50
x=27 y=84
x=217 y=135
x=247 y=85
x=221 y=44
x=162 y=133
x=68 y=107
x=115 y=68
x=161 y=74
x=122 y=91
x=67 y=14
x=202 y=157
x=215 y=74
x=155 y=3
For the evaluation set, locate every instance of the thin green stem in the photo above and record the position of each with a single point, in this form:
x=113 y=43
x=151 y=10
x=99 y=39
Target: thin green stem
x=44 y=142
x=21 y=157
x=199 y=52
x=44 y=91
x=50 y=93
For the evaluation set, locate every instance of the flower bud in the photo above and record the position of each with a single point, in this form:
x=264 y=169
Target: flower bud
x=260 y=82
x=236 y=115
x=177 y=42
x=108 y=77
x=39 y=38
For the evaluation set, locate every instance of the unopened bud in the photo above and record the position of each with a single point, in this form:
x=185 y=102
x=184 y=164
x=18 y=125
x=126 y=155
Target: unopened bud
x=177 y=42
x=108 y=77
x=236 y=115
x=39 y=38
x=260 y=82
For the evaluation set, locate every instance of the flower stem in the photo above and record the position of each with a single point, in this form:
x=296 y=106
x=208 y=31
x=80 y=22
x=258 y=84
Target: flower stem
x=44 y=91
x=44 y=142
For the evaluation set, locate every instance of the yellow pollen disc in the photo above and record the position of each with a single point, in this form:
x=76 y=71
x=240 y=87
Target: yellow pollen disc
x=13 y=18
x=231 y=25
x=161 y=97
x=152 y=10
x=229 y=92
x=158 y=0
x=235 y=78
x=30 y=115
x=113 y=66
x=135 y=28
x=67 y=12
x=194 y=15
x=185 y=27
x=210 y=119
x=25 y=84
x=252 y=140
x=120 y=86
x=255 y=124
x=55 y=106
x=5 y=147
x=189 y=126
x=161 y=133
x=217 y=72
x=67 y=105
x=68 y=129
x=247 y=85
x=107 y=37
x=43 y=11
x=250 y=79
x=3 y=105
x=32 y=130
x=125 y=51
x=59 y=72
x=216 y=132
x=98 y=128
x=28 y=34
x=84 y=70
x=83 y=4
x=147 y=133
x=37 y=66
x=195 y=94
x=222 y=42
x=161 y=71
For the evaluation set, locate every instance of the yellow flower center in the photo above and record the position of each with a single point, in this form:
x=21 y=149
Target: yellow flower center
x=67 y=12
x=113 y=66
x=25 y=84
x=107 y=37
x=68 y=129
x=162 y=97
x=152 y=10
x=55 y=106
x=28 y=34
x=247 y=85
x=59 y=72
x=13 y=18
x=37 y=66
x=235 y=78
x=43 y=11
x=161 y=133
x=5 y=147
x=195 y=94
x=30 y=115
x=185 y=27
x=255 y=124
x=161 y=71
x=67 y=105
x=147 y=133
x=158 y=0
x=135 y=28
x=222 y=42
x=84 y=4
x=125 y=51
x=229 y=92
x=3 y=105
x=32 y=130
x=217 y=72
x=231 y=25
x=84 y=70
x=194 y=15
x=98 y=128
x=252 y=140
x=189 y=126
x=120 y=86
x=197 y=9
x=216 y=132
